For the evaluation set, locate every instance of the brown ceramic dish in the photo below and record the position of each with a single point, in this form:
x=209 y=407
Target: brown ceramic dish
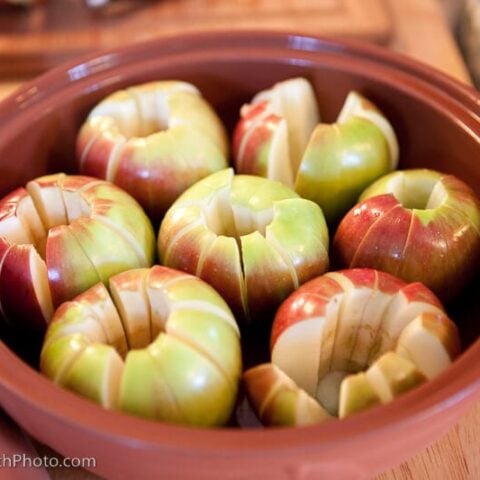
x=438 y=124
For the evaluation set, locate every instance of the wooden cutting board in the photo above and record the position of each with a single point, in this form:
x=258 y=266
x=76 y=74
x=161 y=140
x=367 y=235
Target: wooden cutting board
x=35 y=39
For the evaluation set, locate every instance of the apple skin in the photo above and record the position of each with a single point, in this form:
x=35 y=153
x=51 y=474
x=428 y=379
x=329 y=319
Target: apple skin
x=330 y=164
x=63 y=235
x=253 y=239
x=153 y=140
x=344 y=321
x=159 y=343
x=277 y=400
x=438 y=246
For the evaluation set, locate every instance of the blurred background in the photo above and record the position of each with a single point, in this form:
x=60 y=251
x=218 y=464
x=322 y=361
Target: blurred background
x=36 y=35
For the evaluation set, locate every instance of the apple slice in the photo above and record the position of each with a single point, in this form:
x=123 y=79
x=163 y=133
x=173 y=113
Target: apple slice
x=356 y=394
x=58 y=355
x=431 y=342
x=100 y=304
x=410 y=301
x=46 y=194
x=261 y=264
x=222 y=269
x=24 y=290
x=74 y=317
x=211 y=336
x=302 y=325
x=328 y=390
x=300 y=235
x=19 y=220
x=108 y=251
x=392 y=375
x=339 y=162
x=278 y=401
x=205 y=385
x=128 y=291
x=356 y=105
x=276 y=125
x=95 y=374
x=70 y=271
x=143 y=392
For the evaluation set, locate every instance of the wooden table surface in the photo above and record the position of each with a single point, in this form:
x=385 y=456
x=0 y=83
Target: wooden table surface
x=396 y=24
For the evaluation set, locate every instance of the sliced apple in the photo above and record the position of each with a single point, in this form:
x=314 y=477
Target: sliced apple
x=206 y=396
x=74 y=317
x=356 y=105
x=24 y=290
x=95 y=374
x=392 y=375
x=58 y=355
x=109 y=252
x=431 y=342
x=70 y=271
x=129 y=294
x=143 y=392
x=356 y=394
x=278 y=401
x=409 y=302
x=98 y=301
x=46 y=194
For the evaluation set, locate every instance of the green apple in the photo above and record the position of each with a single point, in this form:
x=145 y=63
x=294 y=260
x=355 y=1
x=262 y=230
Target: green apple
x=278 y=401
x=253 y=239
x=154 y=140
x=279 y=136
x=160 y=344
x=64 y=234
x=419 y=225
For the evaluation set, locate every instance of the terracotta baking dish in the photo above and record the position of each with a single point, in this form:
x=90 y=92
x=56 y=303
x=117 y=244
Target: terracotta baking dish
x=438 y=124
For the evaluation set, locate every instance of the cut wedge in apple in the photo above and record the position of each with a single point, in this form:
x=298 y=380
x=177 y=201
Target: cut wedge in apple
x=410 y=220
x=278 y=401
x=279 y=136
x=430 y=342
x=253 y=239
x=161 y=344
x=335 y=327
x=24 y=289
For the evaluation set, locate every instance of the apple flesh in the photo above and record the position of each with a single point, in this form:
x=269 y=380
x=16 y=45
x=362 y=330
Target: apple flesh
x=278 y=401
x=159 y=344
x=419 y=225
x=345 y=322
x=279 y=136
x=253 y=239
x=154 y=140
x=61 y=235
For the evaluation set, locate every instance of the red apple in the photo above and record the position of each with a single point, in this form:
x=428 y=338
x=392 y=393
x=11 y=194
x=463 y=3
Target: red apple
x=253 y=239
x=153 y=140
x=279 y=136
x=62 y=235
x=419 y=225
x=342 y=322
x=162 y=345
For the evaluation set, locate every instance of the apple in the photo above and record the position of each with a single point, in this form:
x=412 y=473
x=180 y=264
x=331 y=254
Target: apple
x=59 y=236
x=158 y=343
x=419 y=225
x=278 y=401
x=344 y=322
x=387 y=378
x=154 y=140
x=279 y=136
x=253 y=239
